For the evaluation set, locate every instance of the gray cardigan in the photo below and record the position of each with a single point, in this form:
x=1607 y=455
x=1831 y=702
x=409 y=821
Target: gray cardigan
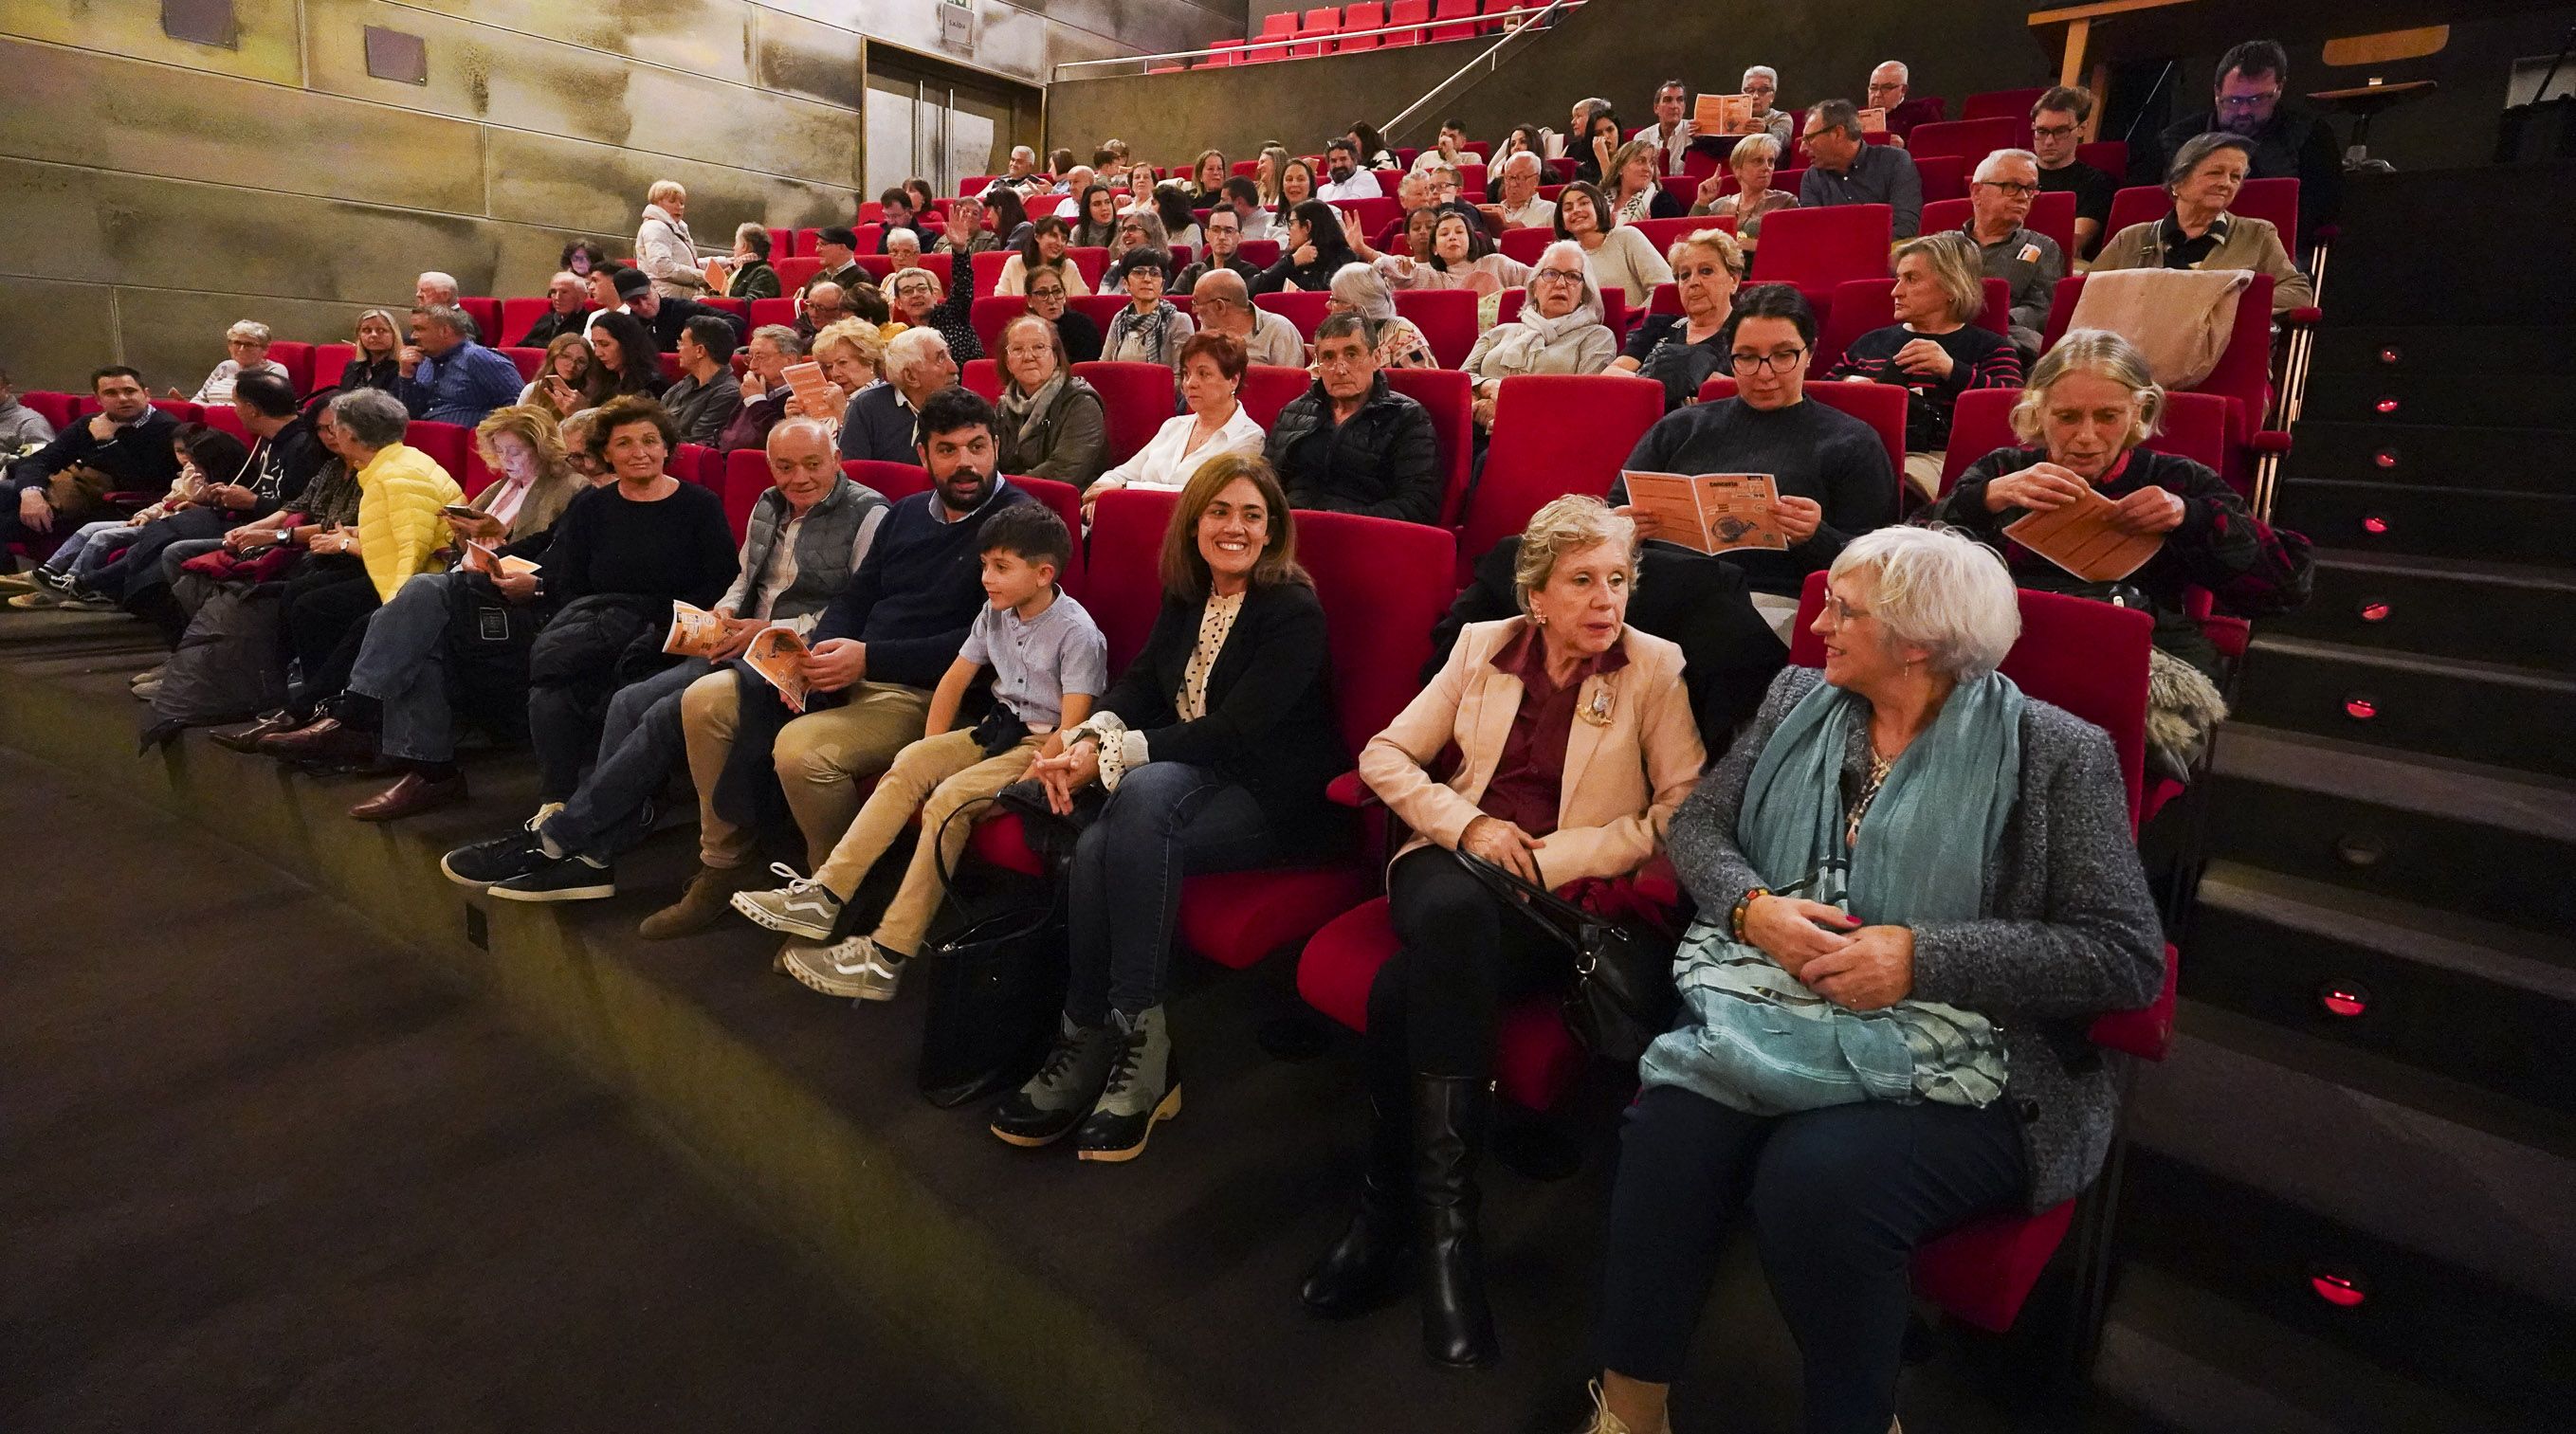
x=2072 y=934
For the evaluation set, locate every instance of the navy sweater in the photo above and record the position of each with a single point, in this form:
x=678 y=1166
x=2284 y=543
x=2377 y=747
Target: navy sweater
x=917 y=591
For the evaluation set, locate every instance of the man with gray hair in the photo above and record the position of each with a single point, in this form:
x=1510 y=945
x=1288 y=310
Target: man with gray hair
x=1522 y=206
x=883 y=419
x=664 y=248
x=1842 y=168
x=1761 y=85
x=434 y=288
x=1076 y=180
x=449 y=378
x=1887 y=95
x=567 y=310
x=1221 y=303
x=1999 y=201
x=1024 y=175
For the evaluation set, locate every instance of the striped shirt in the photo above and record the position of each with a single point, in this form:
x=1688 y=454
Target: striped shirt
x=1979 y=358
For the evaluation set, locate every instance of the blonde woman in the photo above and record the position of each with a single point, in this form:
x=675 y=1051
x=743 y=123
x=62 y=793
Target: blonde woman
x=1636 y=185
x=1682 y=351
x=1934 y=350
x=1752 y=161
x=568 y=379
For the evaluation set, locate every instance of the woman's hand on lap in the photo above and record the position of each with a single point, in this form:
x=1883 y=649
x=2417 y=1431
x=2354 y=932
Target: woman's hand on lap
x=1873 y=970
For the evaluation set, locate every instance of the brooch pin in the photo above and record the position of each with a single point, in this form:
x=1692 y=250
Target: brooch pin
x=1597 y=711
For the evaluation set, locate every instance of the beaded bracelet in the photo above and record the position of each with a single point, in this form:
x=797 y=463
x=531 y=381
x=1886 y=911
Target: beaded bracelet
x=1744 y=903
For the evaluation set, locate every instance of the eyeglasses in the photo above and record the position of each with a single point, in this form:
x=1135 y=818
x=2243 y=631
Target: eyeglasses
x=1884 y=87
x=1346 y=359
x=1844 y=613
x=2016 y=190
x=1781 y=362
x=2052 y=131
x=2248 y=102
x=1567 y=275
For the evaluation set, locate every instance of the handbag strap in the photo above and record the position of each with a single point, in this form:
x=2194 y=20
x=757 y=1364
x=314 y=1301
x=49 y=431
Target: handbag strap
x=1551 y=913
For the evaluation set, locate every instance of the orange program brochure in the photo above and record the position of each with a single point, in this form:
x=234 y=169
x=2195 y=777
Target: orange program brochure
x=695 y=632
x=1873 y=121
x=778 y=655
x=807 y=382
x=1723 y=114
x=1710 y=512
x=2079 y=538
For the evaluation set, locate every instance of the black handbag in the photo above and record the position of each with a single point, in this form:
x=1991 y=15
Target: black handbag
x=997 y=984
x=1623 y=995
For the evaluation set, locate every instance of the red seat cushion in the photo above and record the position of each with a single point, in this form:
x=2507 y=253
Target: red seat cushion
x=1235 y=918
x=1982 y=1271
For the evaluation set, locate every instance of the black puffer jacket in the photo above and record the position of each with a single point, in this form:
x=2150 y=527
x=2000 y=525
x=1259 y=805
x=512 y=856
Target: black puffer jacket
x=1383 y=463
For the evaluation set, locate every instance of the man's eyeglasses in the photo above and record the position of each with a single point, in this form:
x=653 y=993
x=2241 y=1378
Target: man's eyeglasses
x=1781 y=362
x=2016 y=190
x=2052 y=131
x=2248 y=102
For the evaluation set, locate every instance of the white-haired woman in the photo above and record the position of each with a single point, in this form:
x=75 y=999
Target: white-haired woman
x=1916 y=889
x=2199 y=233
x=247 y=342
x=1935 y=350
x=664 y=248
x=1682 y=351
x=1559 y=330
x=1762 y=86
x=1578 y=746
x=1360 y=289
x=1753 y=161
x=2090 y=406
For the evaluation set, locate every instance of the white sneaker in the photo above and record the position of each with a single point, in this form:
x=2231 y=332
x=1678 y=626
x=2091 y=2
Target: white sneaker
x=857 y=968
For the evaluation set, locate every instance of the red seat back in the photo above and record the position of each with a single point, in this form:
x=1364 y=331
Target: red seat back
x=1091 y=261
x=1375 y=214
x=982 y=376
x=1139 y=396
x=1099 y=308
x=1362 y=17
x=1454 y=10
x=782 y=242
x=773 y=311
x=328 y=361
x=794 y=273
x=2001 y=104
x=699 y=464
x=1259 y=253
x=1305 y=310
x=1553 y=434
x=1820 y=248
x=992 y=314
x=1451 y=398
x=1942 y=176
x=1268 y=388
x=218 y=415
x=988 y=270
x=2243 y=374
x=55 y=408
x=1880 y=405
x=2050 y=214
x=743 y=475
x=2111 y=156
x=517 y=316
x=1384 y=586
x=189 y=412
x=2087 y=657
x=1407 y=12
x=1525 y=245
x=1125 y=583
x=896 y=481
x=1066 y=500
x=1970 y=139
x=974 y=184
x=486 y=314
x=297 y=359
x=447 y=444
x=1662 y=233
x=526 y=361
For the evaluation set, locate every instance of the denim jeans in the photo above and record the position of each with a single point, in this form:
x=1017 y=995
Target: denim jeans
x=1167 y=820
x=639 y=745
x=1838 y=1198
x=402 y=664
x=89 y=549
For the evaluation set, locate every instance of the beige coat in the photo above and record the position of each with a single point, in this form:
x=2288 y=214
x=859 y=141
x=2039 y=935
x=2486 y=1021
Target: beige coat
x=1624 y=778
x=2251 y=244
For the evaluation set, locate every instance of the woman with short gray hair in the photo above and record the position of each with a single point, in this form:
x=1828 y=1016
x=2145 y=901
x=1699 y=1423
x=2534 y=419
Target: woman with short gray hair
x=2199 y=233
x=1916 y=888
x=247 y=342
x=1579 y=744
x=1753 y=161
x=2089 y=408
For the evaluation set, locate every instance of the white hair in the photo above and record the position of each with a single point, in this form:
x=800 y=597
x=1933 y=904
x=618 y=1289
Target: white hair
x=665 y=189
x=1903 y=75
x=249 y=331
x=1021 y=151
x=436 y=280
x=1567 y=254
x=1987 y=166
x=1512 y=162
x=1940 y=590
x=911 y=348
x=1359 y=286
x=1755 y=146
x=1765 y=71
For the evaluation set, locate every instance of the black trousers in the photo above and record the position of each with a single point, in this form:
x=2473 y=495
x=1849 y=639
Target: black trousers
x=1838 y=1199
x=325 y=607
x=1462 y=953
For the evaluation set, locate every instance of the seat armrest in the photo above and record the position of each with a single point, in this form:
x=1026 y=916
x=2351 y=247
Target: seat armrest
x=2146 y=1033
x=2308 y=316
x=1348 y=790
x=2271 y=440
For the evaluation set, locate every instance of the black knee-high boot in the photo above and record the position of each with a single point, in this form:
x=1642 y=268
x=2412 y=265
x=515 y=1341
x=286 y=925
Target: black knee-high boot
x=1364 y=1268
x=1450 y=1117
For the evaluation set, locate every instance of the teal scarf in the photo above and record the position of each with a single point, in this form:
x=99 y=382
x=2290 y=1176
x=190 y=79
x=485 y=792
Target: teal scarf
x=1759 y=1041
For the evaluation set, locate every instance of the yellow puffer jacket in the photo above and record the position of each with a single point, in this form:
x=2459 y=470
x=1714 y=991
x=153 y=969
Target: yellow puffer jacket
x=399 y=526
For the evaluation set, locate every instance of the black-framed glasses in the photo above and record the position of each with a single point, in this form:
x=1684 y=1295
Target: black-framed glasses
x=2053 y=131
x=2016 y=190
x=1781 y=362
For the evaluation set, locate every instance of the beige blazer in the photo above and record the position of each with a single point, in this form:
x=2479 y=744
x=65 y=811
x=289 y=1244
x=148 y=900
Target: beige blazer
x=1623 y=779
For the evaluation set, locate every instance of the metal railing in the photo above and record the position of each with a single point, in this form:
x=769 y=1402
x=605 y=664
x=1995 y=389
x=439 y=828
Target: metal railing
x=1513 y=24
x=1523 y=22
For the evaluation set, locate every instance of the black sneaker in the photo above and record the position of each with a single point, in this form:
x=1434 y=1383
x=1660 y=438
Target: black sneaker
x=575 y=878
x=498 y=859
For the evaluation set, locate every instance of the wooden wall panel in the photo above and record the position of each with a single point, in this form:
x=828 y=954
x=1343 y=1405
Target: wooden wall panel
x=796 y=56
x=705 y=37
x=269 y=49
x=77 y=107
x=51 y=332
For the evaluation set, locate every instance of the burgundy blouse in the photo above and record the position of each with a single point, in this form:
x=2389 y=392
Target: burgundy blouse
x=1529 y=780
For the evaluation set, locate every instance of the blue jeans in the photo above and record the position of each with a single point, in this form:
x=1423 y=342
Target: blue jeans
x=89 y=549
x=1167 y=820
x=639 y=745
x=402 y=664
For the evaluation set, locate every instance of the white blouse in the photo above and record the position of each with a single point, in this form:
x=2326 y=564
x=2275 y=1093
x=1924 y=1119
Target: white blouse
x=1168 y=460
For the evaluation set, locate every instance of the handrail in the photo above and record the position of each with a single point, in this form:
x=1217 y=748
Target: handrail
x=1513 y=23
x=1519 y=23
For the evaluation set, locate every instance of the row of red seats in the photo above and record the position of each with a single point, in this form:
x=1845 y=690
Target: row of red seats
x=1327 y=30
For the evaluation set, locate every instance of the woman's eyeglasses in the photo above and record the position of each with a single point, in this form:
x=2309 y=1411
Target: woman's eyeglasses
x=1781 y=362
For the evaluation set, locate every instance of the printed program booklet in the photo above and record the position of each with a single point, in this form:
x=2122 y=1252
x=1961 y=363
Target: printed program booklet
x=1710 y=512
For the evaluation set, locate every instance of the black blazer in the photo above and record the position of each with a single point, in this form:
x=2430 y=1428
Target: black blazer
x=1270 y=723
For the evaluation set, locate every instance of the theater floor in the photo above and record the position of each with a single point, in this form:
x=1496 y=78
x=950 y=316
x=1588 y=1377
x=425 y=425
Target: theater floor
x=262 y=1172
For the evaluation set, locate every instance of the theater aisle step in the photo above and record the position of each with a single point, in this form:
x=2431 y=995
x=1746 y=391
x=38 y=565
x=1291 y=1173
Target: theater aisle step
x=2348 y=1187
x=263 y=1173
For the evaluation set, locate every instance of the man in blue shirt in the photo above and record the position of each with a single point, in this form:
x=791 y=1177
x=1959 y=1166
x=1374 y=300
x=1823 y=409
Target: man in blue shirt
x=447 y=377
x=1843 y=168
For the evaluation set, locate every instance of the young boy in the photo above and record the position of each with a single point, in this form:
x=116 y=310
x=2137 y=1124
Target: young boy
x=1049 y=664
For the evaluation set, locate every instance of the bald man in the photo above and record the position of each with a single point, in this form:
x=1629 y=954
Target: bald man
x=1221 y=303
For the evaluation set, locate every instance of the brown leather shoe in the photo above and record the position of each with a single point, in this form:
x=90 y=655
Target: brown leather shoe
x=410 y=797
x=707 y=901
x=324 y=739
x=247 y=739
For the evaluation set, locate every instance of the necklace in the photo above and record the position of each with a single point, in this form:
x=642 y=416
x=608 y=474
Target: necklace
x=1878 y=769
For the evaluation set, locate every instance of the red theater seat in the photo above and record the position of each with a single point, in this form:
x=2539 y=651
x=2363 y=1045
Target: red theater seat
x=2050 y=214
x=1268 y=388
x=1454 y=10
x=1259 y=253
x=1447 y=318
x=219 y=415
x=988 y=271
x=486 y=314
x=773 y=311
x=1880 y=405
x=1139 y=397
x=895 y=481
x=1362 y=17
x=984 y=377
x=186 y=411
x=699 y=464
x=1820 y=248
x=991 y=315
x=1553 y=434
x=1407 y=12
x=1305 y=310
x=2001 y=104
x=2111 y=156
x=1942 y=176
x=447 y=444
x=328 y=362
x=1525 y=245
x=1315 y=36
x=1091 y=261
x=526 y=361
x=297 y=359
x=1969 y=139
x=1451 y=397
x=794 y=274
x=1099 y=308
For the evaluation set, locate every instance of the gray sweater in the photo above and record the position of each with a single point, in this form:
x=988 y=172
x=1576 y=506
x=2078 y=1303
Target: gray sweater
x=2071 y=932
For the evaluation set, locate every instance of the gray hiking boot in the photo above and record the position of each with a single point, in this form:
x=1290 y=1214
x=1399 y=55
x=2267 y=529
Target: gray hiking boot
x=1144 y=1087
x=1062 y=1092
